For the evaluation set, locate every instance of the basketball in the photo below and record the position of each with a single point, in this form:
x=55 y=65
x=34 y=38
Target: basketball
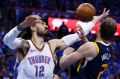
x=85 y=12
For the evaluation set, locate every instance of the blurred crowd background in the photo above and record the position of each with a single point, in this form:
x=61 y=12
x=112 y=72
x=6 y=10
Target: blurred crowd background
x=12 y=12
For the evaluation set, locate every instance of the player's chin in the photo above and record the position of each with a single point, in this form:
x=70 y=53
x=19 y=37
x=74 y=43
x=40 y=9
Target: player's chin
x=45 y=33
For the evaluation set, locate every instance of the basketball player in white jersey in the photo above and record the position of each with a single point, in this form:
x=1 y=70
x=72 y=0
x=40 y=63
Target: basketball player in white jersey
x=36 y=57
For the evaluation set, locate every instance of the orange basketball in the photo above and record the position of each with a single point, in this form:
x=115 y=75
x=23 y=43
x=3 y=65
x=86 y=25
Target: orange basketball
x=85 y=12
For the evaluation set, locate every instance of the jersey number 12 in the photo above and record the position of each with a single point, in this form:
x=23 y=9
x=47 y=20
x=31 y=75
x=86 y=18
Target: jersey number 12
x=39 y=71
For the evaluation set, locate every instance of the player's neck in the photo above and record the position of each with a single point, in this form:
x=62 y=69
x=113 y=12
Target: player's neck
x=38 y=41
x=99 y=39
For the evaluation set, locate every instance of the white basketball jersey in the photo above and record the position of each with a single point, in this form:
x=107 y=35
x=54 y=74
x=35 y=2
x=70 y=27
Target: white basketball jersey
x=37 y=64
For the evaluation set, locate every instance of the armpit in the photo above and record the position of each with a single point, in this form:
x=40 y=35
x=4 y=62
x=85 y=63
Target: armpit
x=23 y=48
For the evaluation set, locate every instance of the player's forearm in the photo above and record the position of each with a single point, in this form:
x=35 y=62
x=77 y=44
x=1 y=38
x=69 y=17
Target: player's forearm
x=67 y=60
x=11 y=39
x=98 y=18
x=95 y=20
x=70 y=39
x=87 y=27
x=63 y=65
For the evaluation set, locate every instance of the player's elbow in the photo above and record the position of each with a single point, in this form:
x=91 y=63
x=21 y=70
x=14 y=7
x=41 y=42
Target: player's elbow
x=62 y=64
x=62 y=67
x=5 y=40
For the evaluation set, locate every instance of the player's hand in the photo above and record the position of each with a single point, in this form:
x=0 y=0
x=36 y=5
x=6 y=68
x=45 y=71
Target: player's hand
x=30 y=20
x=81 y=33
x=104 y=14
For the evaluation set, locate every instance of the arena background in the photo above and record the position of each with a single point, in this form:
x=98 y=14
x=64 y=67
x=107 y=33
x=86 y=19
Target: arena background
x=56 y=13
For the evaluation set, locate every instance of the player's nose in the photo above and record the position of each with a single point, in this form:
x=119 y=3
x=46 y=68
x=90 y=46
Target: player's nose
x=46 y=27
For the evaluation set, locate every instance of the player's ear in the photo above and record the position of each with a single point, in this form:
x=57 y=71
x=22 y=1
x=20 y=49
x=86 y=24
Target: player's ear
x=33 y=28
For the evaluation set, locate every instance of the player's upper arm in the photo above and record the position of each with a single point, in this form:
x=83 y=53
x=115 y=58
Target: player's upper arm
x=87 y=50
x=57 y=44
x=84 y=51
x=67 y=60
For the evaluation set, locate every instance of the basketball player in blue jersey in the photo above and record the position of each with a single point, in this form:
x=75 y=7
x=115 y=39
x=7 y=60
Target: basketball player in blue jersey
x=36 y=57
x=96 y=55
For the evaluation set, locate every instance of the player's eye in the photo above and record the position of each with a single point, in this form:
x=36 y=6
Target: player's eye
x=42 y=22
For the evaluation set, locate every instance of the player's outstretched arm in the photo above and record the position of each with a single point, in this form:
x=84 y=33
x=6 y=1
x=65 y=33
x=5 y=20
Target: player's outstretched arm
x=86 y=50
x=66 y=41
x=87 y=27
x=100 y=17
x=11 y=39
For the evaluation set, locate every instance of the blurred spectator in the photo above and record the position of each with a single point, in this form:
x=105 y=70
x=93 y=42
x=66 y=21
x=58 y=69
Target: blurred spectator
x=63 y=30
x=111 y=76
x=5 y=73
x=117 y=76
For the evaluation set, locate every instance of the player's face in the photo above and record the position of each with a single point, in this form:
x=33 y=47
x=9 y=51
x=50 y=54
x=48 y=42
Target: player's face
x=41 y=28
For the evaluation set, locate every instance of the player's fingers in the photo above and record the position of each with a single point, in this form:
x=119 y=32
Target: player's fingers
x=29 y=18
x=38 y=17
x=77 y=25
x=104 y=10
x=80 y=30
x=37 y=21
x=34 y=17
x=82 y=33
x=79 y=34
x=108 y=11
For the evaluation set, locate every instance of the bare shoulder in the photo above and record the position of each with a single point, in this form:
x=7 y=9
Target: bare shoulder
x=53 y=41
x=57 y=44
x=88 y=48
x=93 y=45
x=88 y=45
x=54 y=44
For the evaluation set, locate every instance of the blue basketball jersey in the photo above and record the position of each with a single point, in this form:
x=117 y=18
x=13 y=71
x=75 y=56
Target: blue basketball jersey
x=95 y=68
